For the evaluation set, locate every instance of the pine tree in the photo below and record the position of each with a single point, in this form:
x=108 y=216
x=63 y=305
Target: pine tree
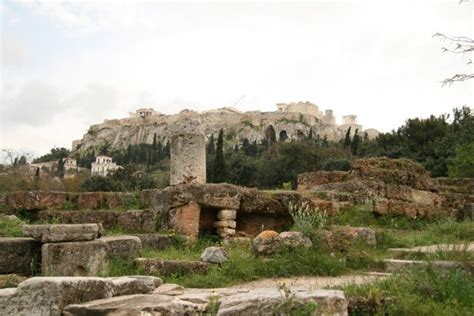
x=310 y=136
x=219 y=168
x=355 y=142
x=211 y=147
x=347 y=139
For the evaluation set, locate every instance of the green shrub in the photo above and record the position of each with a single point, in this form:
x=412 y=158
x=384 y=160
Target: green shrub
x=337 y=165
x=10 y=226
x=306 y=219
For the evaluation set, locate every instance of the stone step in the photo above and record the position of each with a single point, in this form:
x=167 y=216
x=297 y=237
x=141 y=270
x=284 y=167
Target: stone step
x=157 y=241
x=435 y=248
x=127 y=221
x=392 y=265
x=165 y=267
x=19 y=255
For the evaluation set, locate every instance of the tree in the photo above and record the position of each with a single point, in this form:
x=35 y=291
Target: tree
x=462 y=164
x=347 y=139
x=219 y=167
x=211 y=146
x=270 y=135
x=355 y=142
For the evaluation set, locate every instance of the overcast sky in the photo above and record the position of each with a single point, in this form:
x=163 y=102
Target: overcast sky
x=65 y=66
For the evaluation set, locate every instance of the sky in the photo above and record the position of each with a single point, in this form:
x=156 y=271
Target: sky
x=67 y=65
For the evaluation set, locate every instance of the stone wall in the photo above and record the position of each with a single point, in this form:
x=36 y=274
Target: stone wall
x=389 y=186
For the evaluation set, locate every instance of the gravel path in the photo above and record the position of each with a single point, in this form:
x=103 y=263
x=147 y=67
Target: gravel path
x=312 y=283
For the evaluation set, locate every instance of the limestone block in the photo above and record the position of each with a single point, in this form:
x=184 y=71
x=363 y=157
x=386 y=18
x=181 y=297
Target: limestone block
x=185 y=219
x=214 y=255
x=156 y=241
x=225 y=224
x=137 y=284
x=41 y=296
x=122 y=246
x=62 y=232
x=227 y=215
x=87 y=258
x=90 y=200
x=225 y=232
x=35 y=200
x=295 y=239
x=18 y=255
x=341 y=238
x=263 y=301
x=168 y=267
x=468 y=212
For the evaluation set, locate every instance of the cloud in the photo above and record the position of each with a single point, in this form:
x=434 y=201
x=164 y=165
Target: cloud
x=36 y=103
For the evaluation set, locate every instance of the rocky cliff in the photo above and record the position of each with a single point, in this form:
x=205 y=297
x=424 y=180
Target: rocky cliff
x=237 y=126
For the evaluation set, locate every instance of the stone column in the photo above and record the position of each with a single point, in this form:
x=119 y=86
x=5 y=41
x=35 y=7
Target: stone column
x=226 y=224
x=188 y=150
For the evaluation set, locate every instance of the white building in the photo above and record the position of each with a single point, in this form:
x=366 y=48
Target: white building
x=143 y=112
x=103 y=165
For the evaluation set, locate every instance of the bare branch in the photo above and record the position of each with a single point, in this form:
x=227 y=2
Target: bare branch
x=457 y=78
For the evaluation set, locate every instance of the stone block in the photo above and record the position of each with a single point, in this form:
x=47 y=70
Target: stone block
x=225 y=232
x=87 y=258
x=214 y=255
x=267 y=243
x=62 y=232
x=122 y=246
x=341 y=238
x=18 y=255
x=49 y=295
x=156 y=241
x=130 y=221
x=136 y=284
x=295 y=239
x=168 y=267
x=185 y=219
x=392 y=265
x=35 y=200
x=227 y=215
x=468 y=212
x=90 y=200
x=226 y=224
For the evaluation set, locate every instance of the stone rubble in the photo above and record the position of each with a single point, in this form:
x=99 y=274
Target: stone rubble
x=62 y=232
x=214 y=255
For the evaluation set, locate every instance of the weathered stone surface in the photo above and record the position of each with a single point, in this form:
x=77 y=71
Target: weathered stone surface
x=224 y=215
x=468 y=211
x=266 y=300
x=225 y=224
x=169 y=289
x=295 y=239
x=35 y=200
x=74 y=258
x=136 y=284
x=168 y=267
x=185 y=219
x=41 y=296
x=122 y=246
x=341 y=238
x=18 y=255
x=187 y=150
x=90 y=200
x=225 y=232
x=130 y=221
x=467 y=247
x=263 y=301
x=209 y=195
x=251 y=224
x=62 y=232
x=309 y=179
x=156 y=241
x=214 y=255
x=266 y=243
x=136 y=305
x=392 y=265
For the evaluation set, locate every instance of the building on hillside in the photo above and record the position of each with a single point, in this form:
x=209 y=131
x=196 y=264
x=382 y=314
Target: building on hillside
x=103 y=165
x=350 y=121
x=143 y=113
x=301 y=107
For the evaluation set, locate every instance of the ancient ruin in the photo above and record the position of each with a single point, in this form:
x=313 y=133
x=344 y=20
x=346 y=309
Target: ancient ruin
x=295 y=120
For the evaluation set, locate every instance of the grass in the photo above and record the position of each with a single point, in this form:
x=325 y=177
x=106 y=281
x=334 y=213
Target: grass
x=420 y=291
x=10 y=226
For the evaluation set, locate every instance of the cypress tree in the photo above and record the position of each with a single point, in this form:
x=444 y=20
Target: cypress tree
x=211 y=146
x=270 y=135
x=310 y=136
x=347 y=139
x=154 y=146
x=219 y=168
x=355 y=142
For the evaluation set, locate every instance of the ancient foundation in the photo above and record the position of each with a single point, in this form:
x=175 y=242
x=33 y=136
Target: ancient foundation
x=188 y=151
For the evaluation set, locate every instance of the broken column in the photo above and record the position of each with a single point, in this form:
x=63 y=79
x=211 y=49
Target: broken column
x=188 y=150
x=226 y=224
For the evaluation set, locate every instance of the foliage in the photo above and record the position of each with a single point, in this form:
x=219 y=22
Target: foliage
x=54 y=155
x=420 y=291
x=10 y=226
x=305 y=218
x=337 y=165
x=219 y=169
x=462 y=164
